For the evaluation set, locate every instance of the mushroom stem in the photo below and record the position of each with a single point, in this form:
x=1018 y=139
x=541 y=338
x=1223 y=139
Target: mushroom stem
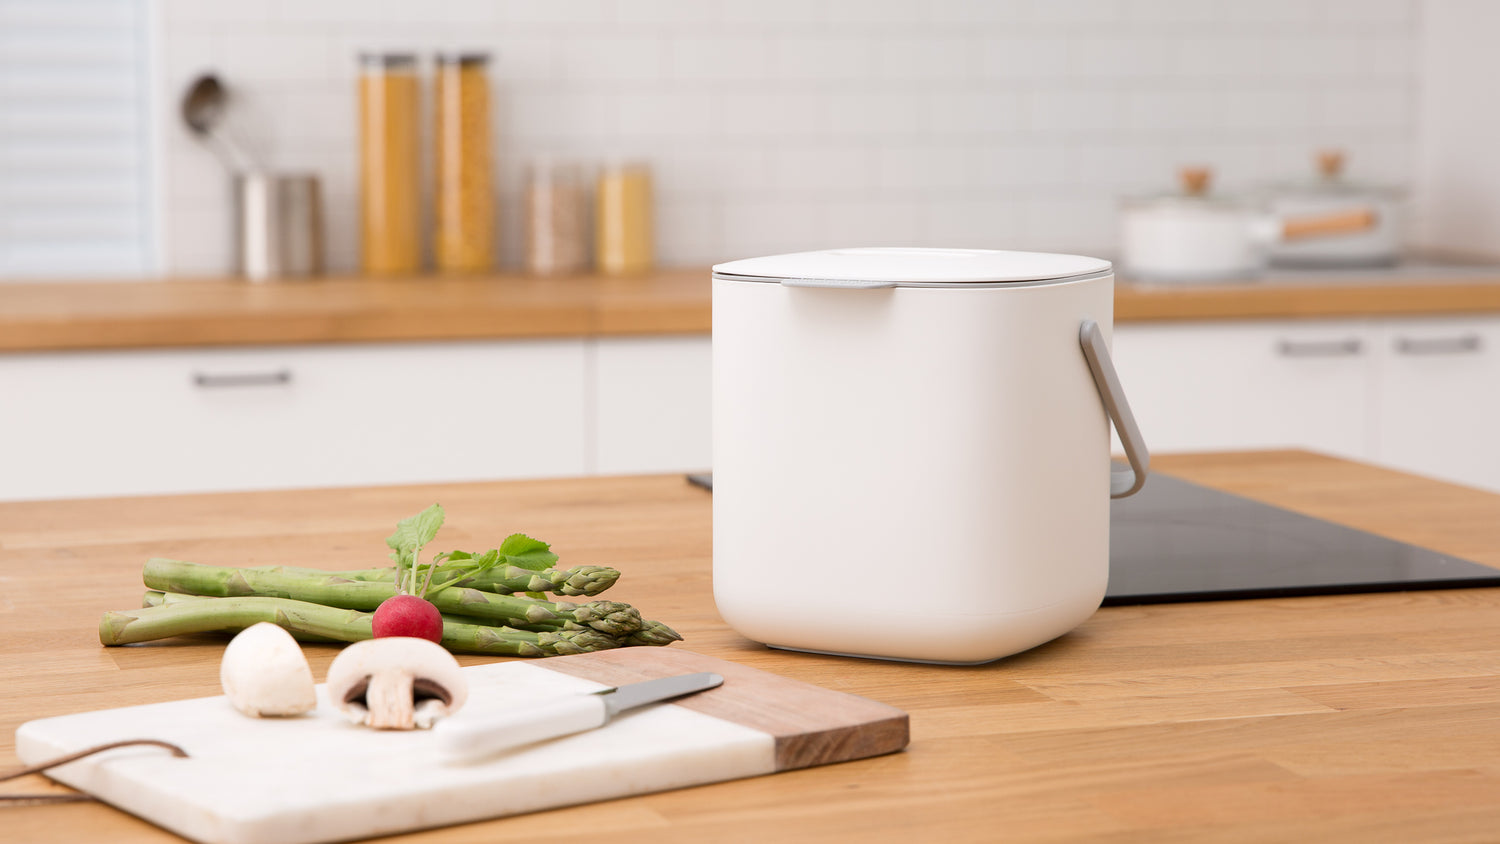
x=390 y=699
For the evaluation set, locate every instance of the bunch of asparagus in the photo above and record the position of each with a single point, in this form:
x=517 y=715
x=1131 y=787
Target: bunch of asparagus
x=487 y=605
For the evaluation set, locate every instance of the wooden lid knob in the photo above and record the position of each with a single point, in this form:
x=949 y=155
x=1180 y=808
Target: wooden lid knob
x=1330 y=163
x=1195 y=180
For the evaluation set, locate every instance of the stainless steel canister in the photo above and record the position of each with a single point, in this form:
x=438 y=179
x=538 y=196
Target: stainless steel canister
x=278 y=225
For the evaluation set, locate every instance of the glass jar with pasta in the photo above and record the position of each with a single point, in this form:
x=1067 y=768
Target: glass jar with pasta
x=389 y=184
x=464 y=222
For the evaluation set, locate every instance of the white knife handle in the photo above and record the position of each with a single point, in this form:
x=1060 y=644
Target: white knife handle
x=473 y=738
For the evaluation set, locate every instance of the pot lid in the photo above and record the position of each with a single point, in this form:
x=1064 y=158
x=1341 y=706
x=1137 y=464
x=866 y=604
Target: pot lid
x=1193 y=194
x=1331 y=182
x=916 y=265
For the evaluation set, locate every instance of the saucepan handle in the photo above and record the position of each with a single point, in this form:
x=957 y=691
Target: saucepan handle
x=1123 y=480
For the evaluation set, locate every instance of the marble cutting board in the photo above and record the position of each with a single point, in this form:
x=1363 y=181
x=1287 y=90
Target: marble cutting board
x=318 y=778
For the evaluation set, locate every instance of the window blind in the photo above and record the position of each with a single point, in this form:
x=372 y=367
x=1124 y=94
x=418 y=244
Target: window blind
x=75 y=154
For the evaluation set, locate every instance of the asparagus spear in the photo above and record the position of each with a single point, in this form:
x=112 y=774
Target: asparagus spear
x=180 y=616
x=652 y=633
x=335 y=590
x=579 y=580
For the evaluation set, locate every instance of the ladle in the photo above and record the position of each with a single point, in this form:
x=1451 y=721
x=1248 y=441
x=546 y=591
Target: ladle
x=203 y=110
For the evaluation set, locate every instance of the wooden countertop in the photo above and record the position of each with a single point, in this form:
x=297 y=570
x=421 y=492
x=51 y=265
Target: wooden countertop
x=38 y=316
x=1305 y=299
x=1348 y=718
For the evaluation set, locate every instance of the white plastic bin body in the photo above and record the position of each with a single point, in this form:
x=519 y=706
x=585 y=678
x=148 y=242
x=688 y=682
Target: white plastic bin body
x=914 y=473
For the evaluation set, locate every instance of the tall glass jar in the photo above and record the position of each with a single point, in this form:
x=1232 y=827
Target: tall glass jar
x=464 y=235
x=624 y=241
x=556 y=218
x=389 y=181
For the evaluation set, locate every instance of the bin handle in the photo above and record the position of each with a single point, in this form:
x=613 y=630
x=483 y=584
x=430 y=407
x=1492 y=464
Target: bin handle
x=1123 y=480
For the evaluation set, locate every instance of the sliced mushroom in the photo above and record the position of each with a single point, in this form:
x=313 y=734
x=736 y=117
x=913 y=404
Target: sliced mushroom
x=264 y=672
x=396 y=683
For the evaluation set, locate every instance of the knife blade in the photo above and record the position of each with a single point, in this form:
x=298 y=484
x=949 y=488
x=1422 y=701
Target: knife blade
x=465 y=739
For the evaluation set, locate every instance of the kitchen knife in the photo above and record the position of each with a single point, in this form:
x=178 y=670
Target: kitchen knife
x=466 y=739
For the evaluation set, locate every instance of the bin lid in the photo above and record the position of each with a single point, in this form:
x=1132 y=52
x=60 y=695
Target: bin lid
x=916 y=266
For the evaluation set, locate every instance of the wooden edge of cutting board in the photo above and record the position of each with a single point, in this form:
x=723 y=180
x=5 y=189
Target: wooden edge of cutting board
x=811 y=725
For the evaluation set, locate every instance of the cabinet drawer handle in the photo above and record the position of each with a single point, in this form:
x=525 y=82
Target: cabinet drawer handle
x=1319 y=348
x=1467 y=344
x=275 y=378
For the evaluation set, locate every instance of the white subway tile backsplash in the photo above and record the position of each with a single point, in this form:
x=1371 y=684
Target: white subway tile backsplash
x=778 y=13
x=1058 y=113
x=768 y=225
x=590 y=57
x=673 y=114
x=1364 y=108
x=524 y=59
x=925 y=167
x=670 y=13
x=911 y=57
x=690 y=230
x=1022 y=169
x=868 y=116
x=1172 y=12
x=880 y=12
x=875 y=221
x=819 y=57
x=1075 y=13
x=215 y=12
x=252 y=56
x=1116 y=57
x=1216 y=59
x=776 y=125
x=779 y=114
x=707 y=59
x=976 y=114
x=201 y=239
x=798 y=169
x=966 y=222
x=1368 y=13
x=560 y=13
x=1022 y=59
x=1279 y=13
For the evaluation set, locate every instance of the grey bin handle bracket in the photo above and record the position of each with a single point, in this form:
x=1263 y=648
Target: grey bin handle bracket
x=837 y=283
x=1123 y=481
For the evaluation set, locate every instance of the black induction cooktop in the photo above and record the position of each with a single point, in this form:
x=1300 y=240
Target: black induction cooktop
x=1176 y=541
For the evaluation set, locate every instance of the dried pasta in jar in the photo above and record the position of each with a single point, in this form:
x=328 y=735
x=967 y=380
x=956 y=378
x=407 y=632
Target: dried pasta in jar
x=464 y=223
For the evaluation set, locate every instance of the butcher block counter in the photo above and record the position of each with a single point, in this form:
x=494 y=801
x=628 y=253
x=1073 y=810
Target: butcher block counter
x=1352 y=718
x=37 y=316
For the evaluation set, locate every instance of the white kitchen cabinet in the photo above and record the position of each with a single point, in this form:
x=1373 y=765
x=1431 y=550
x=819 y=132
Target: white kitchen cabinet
x=1420 y=395
x=1438 y=409
x=652 y=404
x=1244 y=385
x=112 y=423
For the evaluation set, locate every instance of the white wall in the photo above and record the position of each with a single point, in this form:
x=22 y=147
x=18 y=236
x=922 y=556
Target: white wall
x=1458 y=176
x=777 y=125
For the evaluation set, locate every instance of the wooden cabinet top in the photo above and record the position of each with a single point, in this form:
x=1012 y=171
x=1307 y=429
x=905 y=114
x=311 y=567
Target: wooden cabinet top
x=37 y=316
x=1340 y=718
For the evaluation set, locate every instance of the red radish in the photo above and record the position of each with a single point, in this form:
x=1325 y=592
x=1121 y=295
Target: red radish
x=408 y=615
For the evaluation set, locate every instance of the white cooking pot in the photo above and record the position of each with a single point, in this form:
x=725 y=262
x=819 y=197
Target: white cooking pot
x=1330 y=193
x=1195 y=236
x=911 y=449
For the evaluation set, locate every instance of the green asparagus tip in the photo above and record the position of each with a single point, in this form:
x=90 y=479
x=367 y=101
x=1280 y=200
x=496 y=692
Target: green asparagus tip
x=654 y=633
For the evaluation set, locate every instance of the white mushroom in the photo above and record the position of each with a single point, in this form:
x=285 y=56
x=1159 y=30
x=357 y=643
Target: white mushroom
x=396 y=683
x=264 y=673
